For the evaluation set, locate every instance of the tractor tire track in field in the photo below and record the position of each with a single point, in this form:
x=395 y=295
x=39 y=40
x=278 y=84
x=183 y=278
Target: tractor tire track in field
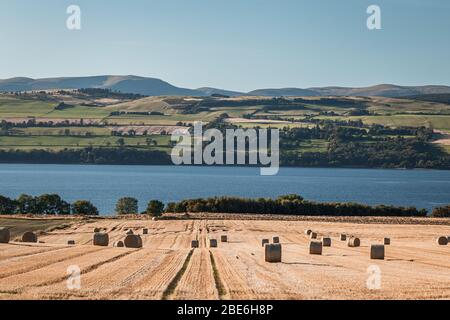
x=217 y=279
x=140 y=274
x=14 y=270
x=154 y=284
x=27 y=253
x=234 y=282
x=57 y=272
x=106 y=279
x=174 y=283
x=83 y=272
x=89 y=269
x=197 y=282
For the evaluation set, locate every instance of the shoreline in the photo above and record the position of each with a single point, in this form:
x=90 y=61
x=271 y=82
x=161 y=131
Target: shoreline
x=241 y=217
x=218 y=166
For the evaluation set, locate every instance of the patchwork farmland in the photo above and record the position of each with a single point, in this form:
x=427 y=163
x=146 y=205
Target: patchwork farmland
x=414 y=267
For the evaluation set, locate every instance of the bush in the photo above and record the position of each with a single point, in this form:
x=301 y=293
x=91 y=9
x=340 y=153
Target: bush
x=7 y=206
x=441 y=212
x=82 y=207
x=155 y=208
x=127 y=205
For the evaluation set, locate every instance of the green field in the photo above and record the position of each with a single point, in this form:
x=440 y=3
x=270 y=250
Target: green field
x=56 y=142
x=440 y=122
x=81 y=131
x=313 y=145
x=12 y=108
x=384 y=111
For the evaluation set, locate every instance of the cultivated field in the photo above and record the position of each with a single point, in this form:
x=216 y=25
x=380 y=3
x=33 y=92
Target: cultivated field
x=415 y=267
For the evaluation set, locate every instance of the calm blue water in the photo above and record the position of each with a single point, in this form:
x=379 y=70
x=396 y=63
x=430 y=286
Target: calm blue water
x=103 y=185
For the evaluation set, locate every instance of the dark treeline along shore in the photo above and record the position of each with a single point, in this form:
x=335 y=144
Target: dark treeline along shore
x=53 y=204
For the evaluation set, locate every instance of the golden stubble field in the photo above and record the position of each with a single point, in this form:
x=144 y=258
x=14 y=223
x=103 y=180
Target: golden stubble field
x=415 y=267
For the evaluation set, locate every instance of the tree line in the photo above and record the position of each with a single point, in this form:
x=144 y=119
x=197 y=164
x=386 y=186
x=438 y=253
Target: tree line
x=53 y=204
x=46 y=204
x=90 y=155
x=289 y=205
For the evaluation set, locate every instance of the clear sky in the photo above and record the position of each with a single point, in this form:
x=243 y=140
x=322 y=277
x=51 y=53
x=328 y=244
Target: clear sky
x=231 y=44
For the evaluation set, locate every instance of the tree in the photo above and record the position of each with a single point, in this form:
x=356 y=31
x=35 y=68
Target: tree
x=120 y=142
x=83 y=207
x=155 y=208
x=127 y=205
x=51 y=204
x=7 y=206
x=291 y=197
x=441 y=212
x=26 y=204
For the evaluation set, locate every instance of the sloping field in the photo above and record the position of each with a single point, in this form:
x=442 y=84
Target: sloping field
x=415 y=267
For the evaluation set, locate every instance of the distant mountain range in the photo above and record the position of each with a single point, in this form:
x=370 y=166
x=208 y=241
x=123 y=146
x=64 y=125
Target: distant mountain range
x=126 y=84
x=157 y=87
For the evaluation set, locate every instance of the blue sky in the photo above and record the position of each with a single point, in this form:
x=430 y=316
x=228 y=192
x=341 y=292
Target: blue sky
x=232 y=44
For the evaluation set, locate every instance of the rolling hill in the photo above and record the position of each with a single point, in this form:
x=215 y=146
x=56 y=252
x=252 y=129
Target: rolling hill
x=286 y=92
x=157 y=87
x=382 y=90
x=210 y=91
x=128 y=84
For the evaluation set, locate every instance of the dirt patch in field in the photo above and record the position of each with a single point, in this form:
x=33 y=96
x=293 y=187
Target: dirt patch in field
x=444 y=138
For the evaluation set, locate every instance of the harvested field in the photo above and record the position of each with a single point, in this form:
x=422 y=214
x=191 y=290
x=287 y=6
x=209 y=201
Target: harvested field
x=415 y=267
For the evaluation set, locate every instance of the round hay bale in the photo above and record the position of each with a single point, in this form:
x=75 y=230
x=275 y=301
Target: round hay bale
x=442 y=241
x=308 y=232
x=313 y=235
x=213 y=243
x=119 y=244
x=387 y=241
x=326 y=242
x=343 y=237
x=273 y=253
x=195 y=244
x=130 y=232
x=224 y=238
x=354 y=242
x=101 y=239
x=264 y=242
x=276 y=239
x=145 y=231
x=71 y=242
x=30 y=237
x=377 y=252
x=315 y=247
x=5 y=235
x=97 y=230
x=133 y=241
